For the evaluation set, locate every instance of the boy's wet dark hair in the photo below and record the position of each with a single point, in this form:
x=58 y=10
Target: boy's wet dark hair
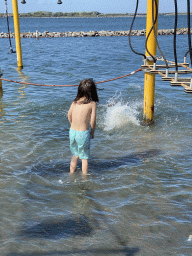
x=87 y=89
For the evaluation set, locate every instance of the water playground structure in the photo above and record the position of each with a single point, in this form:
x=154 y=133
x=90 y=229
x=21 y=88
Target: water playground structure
x=150 y=66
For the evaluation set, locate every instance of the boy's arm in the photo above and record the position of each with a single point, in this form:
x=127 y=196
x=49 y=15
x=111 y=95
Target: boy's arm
x=69 y=114
x=93 y=119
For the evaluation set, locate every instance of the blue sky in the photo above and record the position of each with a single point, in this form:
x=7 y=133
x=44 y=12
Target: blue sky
x=103 y=6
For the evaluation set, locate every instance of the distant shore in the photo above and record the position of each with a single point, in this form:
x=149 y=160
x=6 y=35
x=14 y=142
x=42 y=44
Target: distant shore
x=181 y=31
x=95 y=14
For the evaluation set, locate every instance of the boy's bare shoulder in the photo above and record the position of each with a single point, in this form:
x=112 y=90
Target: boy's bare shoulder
x=72 y=104
x=93 y=103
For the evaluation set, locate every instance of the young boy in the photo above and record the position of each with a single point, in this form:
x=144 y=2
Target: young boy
x=81 y=113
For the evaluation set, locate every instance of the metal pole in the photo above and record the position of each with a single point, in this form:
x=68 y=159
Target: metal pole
x=17 y=34
x=0 y=79
x=149 y=80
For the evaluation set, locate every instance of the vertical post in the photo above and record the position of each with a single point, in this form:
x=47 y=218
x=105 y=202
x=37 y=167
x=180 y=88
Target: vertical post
x=0 y=80
x=149 y=80
x=17 y=34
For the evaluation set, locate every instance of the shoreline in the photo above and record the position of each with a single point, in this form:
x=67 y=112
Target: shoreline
x=94 y=14
x=47 y=34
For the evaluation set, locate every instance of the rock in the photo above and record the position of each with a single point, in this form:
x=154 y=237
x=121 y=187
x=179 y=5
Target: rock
x=93 y=33
x=51 y=34
x=75 y=34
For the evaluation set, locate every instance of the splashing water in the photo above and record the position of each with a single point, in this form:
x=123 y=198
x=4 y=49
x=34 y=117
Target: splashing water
x=119 y=113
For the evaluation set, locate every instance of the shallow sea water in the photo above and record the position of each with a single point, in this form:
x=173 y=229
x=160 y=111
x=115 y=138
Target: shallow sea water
x=136 y=199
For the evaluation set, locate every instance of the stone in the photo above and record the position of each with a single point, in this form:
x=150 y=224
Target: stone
x=93 y=33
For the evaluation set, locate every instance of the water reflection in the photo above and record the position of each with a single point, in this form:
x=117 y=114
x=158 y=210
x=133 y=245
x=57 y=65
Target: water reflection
x=24 y=79
x=22 y=76
x=2 y=113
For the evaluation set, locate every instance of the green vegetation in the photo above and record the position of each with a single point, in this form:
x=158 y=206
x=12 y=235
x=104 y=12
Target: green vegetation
x=79 y=14
x=56 y=14
x=60 y=14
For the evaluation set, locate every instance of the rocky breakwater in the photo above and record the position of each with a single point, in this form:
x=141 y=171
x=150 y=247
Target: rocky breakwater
x=92 y=33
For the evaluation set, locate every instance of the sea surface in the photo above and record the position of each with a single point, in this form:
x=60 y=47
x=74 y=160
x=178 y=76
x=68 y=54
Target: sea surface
x=90 y=24
x=137 y=198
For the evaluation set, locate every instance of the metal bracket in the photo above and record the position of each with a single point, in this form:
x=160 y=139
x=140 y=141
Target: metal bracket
x=149 y=58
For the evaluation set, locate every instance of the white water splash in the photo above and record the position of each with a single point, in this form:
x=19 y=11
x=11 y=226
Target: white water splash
x=119 y=114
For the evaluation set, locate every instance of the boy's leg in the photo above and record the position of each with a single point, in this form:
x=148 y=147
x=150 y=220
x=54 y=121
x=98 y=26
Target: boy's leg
x=85 y=166
x=73 y=164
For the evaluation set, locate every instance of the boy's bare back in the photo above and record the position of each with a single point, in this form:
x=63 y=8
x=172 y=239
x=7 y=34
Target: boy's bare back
x=80 y=115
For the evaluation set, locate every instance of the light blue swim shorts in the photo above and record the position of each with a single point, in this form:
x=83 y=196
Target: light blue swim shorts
x=80 y=143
